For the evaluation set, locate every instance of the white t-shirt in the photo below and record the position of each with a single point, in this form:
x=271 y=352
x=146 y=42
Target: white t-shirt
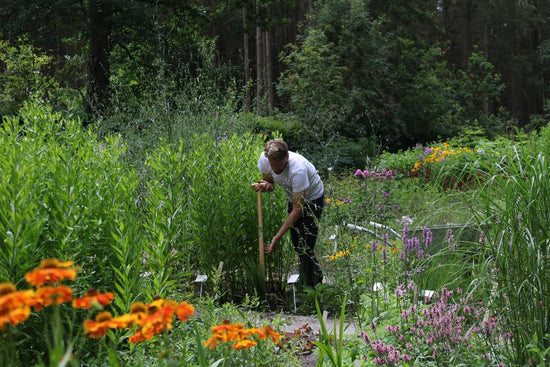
x=299 y=175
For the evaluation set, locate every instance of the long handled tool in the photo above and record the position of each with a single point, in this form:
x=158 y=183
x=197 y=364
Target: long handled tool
x=261 y=234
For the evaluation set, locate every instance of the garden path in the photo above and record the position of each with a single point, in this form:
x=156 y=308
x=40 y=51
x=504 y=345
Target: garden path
x=306 y=330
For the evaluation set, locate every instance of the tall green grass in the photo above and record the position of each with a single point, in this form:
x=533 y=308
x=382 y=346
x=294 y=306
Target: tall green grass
x=516 y=202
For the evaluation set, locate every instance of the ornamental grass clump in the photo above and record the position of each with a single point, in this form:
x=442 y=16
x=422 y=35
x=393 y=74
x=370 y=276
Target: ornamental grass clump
x=514 y=205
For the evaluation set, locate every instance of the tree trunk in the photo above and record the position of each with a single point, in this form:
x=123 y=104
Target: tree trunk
x=246 y=64
x=269 y=72
x=98 y=93
x=259 y=68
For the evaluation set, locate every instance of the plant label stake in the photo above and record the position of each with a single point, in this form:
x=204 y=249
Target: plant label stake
x=261 y=234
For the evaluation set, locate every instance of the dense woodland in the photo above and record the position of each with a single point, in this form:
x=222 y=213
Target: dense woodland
x=387 y=74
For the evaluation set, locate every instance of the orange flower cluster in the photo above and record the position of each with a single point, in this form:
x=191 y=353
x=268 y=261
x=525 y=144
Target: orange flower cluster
x=150 y=320
x=239 y=335
x=93 y=298
x=51 y=271
x=15 y=306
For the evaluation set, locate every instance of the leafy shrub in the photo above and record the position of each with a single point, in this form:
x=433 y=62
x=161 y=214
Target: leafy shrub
x=288 y=128
x=23 y=76
x=222 y=219
x=66 y=192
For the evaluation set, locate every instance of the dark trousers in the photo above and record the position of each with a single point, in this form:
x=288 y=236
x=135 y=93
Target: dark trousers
x=304 y=235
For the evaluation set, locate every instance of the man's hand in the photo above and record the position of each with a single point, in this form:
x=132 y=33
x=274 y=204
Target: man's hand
x=268 y=247
x=262 y=185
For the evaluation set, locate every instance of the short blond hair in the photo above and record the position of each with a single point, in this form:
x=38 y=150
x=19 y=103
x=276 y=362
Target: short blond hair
x=276 y=149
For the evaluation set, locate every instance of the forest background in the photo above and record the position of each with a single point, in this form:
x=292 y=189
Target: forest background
x=353 y=77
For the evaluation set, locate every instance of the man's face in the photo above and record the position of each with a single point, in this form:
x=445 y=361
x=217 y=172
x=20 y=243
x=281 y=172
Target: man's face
x=278 y=166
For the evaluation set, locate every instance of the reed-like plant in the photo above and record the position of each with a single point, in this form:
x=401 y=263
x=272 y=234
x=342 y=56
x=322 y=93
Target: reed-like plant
x=515 y=208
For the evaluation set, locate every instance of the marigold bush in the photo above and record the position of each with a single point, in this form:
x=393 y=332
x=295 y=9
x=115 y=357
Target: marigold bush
x=143 y=321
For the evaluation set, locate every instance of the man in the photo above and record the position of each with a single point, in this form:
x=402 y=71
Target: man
x=305 y=192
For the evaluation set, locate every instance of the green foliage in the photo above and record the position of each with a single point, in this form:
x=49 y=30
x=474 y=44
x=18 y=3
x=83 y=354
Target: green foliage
x=23 y=76
x=157 y=110
x=340 y=153
x=515 y=204
x=314 y=83
x=544 y=140
x=65 y=194
x=347 y=76
x=222 y=209
x=289 y=129
x=334 y=76
x=166 y=208
x=443 y=102
x=454 y=164
x=335 y=353
x=63 y=188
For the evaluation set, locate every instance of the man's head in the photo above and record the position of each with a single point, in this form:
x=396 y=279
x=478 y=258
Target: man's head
x=276 y=152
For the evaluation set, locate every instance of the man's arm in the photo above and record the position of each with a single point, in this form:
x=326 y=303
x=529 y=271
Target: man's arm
x=293 y=216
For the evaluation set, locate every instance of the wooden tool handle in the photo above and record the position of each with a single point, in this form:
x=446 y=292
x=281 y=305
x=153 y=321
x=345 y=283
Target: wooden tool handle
x=260 y=231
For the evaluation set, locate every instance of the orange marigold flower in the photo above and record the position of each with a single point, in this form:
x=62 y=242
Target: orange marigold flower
x=137 y=315
x=139 y=336
x=14 y=304
x=158 y=315
x=122 y=321
x=93 y=297
x=47 y=296
x=14 y=316
x=11 y=298
x=184 y=310
x=226 y=332
x=155 y=317
x=244 y=344
x=51 y=271
x=268 y=332
x=98 y=327
x=148 y=331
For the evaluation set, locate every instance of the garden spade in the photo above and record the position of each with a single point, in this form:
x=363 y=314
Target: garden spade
x=261 y=234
